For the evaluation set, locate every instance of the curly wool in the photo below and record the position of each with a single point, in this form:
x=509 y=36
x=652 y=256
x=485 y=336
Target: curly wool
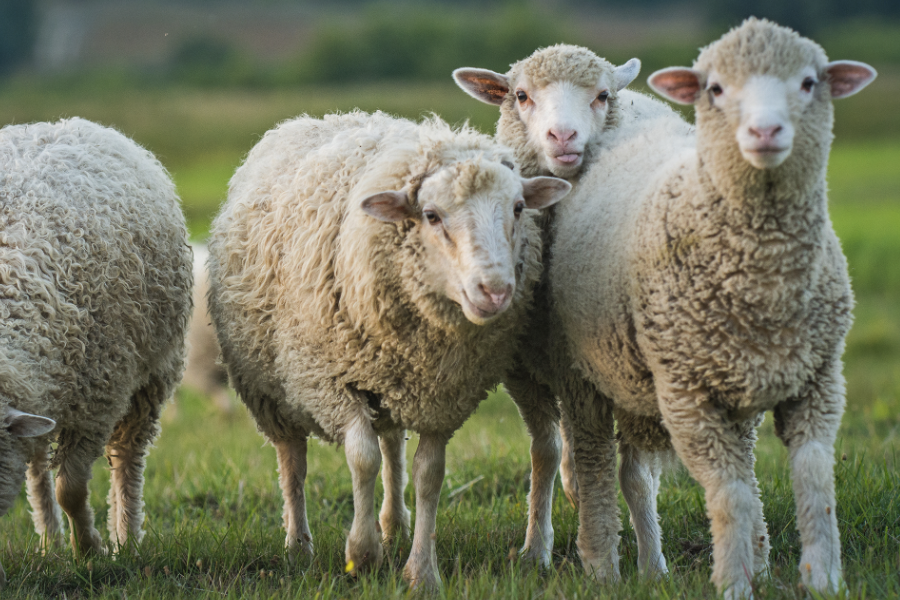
x=95 y=280
x=321 y=311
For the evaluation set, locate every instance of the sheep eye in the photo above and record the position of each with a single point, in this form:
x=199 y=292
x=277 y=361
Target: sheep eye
x=808 y=84
x=603 y=96
x=432 y=217
x=715 y=89
x=518 y=208
x=522 y=96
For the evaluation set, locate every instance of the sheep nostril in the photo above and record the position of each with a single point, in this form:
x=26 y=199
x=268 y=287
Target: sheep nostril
x=561 y=135
x=765 y=133
x=496 y=296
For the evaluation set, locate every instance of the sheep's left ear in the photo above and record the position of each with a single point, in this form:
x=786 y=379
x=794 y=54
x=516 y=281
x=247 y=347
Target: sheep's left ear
x=541 y=192
x=846 y=77
x=22 y=424
x=678 y=84
x=626 y=73
x=388 y=206
x=482 y=84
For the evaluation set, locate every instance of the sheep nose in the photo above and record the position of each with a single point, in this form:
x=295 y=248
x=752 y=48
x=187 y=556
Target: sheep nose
x=561 y=136
x=765 y=134
x=497 y=296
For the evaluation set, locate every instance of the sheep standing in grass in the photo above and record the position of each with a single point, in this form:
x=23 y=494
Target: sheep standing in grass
x=702 y=284
x=368 y=275
x=559 y=109
x=95 y=294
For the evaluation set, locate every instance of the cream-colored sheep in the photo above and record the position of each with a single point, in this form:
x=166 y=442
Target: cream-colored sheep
x=368 y=275
x=701 y=283
x=559 y=109
x=95 y=295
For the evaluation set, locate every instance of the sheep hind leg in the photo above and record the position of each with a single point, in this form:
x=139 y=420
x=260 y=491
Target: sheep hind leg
x=77 y=456
x=539 y=409
x=394 y=516
x=639 y=474
x=45 y=511
x=567 y=464
x=292 y=479
x=428 y=476
x=364 y=551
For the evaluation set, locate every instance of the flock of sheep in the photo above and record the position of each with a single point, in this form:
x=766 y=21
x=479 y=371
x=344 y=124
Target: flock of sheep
x=369 y=275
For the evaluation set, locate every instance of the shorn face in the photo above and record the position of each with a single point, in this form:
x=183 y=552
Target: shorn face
x=561 y=116
x=469 y=218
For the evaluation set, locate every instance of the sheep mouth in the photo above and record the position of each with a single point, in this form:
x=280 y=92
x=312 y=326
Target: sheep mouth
x=570 y=159
x=479 y=313
x=766 y=157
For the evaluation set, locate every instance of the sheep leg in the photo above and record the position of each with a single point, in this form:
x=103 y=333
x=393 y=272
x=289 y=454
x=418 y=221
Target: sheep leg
x=639 y=474
x=760 y=536
x=77 y=456
x=712 y=450
x=394 y=516
x=567 y=465
x=428 y=476
x=292 y=478
x=127 y=452
x=363 y=551
x=593 y=433
x=808 y=426
x=44 y=510
x=540 y=411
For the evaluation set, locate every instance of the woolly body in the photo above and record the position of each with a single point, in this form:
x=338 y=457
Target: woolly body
x=694 y=287
x=95 y=280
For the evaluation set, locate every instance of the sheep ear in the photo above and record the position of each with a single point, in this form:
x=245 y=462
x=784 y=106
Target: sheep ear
x=678 y=84
x=482 y=84
x=21 y=424
x=626 y=73
x=541 y=192
x=847 y=77
x=388 y=206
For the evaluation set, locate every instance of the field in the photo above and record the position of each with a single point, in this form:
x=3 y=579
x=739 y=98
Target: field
x=213 y=503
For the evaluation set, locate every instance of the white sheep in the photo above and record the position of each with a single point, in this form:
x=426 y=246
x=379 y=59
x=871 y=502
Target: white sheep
x=95 y=295
x=701 y=283
x=559 y=109
x=369 y=275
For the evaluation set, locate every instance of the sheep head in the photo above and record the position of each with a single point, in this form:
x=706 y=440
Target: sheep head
x=554 y=105
x=468 y=218
x=16 y=424
x=769 y=86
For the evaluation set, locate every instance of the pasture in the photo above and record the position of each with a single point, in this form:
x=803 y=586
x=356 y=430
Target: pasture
x=212 y=499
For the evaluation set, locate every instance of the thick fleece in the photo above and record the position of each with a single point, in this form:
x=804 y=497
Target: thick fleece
x=95 y=295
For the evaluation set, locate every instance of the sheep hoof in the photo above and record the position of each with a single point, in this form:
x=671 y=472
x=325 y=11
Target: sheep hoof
x=395 y=529
x=424 y=581
x=298 y=549
x=363 y=555
x=534 y=558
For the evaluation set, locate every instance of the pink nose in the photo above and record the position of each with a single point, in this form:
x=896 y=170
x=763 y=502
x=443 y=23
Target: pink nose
x=561 y=136
x=496 y=296
x=765 y=134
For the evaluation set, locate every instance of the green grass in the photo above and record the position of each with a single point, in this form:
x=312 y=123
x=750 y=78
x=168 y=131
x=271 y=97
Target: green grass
x=213 y=503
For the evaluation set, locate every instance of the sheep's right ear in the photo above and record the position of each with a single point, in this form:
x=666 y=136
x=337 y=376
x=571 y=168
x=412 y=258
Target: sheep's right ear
x=482 y=84
x=22 y=424
x=626 y=73
x=678 y=84
x=541 y=192
x=388 y=206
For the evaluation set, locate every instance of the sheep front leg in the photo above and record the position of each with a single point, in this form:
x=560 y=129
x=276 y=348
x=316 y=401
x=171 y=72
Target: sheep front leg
x=567 y=464
x=44 y=510
x=538 y=407
x=760 y=536
x=593 y=425
x=292 y=479
x=77 y=456
x=428 y=476
x=363 y=551
x=639 y=474
x=394 y=516
x=809 y=427
x=711 y=448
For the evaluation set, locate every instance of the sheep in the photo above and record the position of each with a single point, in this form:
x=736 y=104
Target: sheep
x=698 y=281
x=95 y=295
x=559 y=108
x=202 y=372
x=369 y=275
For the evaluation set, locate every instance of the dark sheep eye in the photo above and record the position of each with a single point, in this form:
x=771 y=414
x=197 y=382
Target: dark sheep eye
x=518 y=208
x=716 y=89
x=432 y=217
x=522 y=96
x=603 y=96
x=508 y=165
x=808 y=84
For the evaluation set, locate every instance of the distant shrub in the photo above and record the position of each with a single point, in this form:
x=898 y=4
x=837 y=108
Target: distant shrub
x=18 y=28
x=212 y=61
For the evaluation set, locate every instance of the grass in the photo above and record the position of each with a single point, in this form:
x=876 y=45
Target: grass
x=212 y=499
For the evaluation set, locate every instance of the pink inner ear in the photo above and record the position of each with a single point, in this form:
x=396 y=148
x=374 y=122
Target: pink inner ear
x=848 y=78
x=680 y=85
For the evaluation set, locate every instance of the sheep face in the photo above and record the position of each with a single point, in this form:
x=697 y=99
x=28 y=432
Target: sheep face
x=469 y=223
x=557 y=102
x=769 y=86
x=16 y=425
